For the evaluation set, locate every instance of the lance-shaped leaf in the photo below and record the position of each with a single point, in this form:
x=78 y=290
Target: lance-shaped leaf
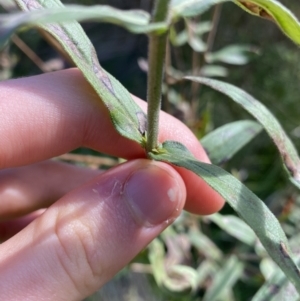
x=207 y=269
x=232 y=54
x=191 y=8
x=234 y=226
x=156 y=257
x=248 y=206
x=286 y=148
x=213 y=71
x=224 y=142
x=277 y=288
x=275 y=11
x=224 y=280
x=137 y=21
x=204 y=245
x=127 y=117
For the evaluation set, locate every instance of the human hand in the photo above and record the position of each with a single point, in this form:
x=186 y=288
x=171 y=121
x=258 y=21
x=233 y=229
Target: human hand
x=95 y=222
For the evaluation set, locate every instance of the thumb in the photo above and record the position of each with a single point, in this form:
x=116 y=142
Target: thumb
x=85 y=238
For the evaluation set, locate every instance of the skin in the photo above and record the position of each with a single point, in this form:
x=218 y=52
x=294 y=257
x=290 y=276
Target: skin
x=57 y=219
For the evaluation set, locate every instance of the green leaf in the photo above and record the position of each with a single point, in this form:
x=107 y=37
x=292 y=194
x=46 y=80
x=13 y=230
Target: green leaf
x=156 y=257
x=223 y=143
x=191 y=8
x=174 y=277
x=235 y=227
x=136 y=21
x=204 y=245
x=284 y=290
x=201 y=28
x=233 y=54
x=224 y=279
x=269 y=9
x=213 y=71
x=207 y=269
x=286 y=148
x=276 y=288
x=128 y=119
x=197 y=44
x=275 y=11
x=178 y=39
x=268 y=267
x=248 y=206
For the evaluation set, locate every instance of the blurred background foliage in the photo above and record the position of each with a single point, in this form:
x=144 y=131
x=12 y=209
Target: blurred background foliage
x=197 y=258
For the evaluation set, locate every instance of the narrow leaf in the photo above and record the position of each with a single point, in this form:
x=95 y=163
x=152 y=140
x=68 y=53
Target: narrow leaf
x=248 y=206
x=232 y=54
x=204 y=245
x=224 y=142
x=213 y=71
x=178 y=39
x=268 y=267
x=136 y=21
x=127 y=117
x=156 y=257
x=276 y=288
x=197 y=44
x=207 y=269
x=224 y=279
x=191 y=8
x=274 y=11
x=235 y=227
x=286 y=148
x=202 y=27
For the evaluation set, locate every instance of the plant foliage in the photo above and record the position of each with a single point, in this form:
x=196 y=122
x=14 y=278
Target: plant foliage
x=130 y=121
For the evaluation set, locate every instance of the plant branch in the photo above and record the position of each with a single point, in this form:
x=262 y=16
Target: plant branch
x=156 y=58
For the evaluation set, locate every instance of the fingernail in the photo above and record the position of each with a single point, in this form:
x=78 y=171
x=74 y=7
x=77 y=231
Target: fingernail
x=153 y=195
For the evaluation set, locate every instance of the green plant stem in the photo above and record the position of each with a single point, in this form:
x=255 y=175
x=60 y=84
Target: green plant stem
x=156 y=58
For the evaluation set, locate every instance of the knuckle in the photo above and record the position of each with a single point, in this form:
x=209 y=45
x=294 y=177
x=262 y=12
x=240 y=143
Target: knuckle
x=78 y=254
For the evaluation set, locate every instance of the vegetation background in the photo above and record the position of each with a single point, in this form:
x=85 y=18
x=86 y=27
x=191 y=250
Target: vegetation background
x=272 y=75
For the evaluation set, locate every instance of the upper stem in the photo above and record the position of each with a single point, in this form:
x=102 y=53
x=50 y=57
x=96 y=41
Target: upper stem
x=156 y=58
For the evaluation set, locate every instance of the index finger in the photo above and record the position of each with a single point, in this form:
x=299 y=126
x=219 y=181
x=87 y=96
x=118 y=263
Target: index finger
x=48 y=115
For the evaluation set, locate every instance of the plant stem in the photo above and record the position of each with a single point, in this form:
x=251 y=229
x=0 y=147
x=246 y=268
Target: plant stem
x=156 y=57
x=213 y=32
x=168 y=64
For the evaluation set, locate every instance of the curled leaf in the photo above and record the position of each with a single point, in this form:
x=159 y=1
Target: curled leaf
x=274 y=11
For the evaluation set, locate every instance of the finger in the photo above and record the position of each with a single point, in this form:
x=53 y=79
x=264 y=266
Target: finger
x=12 y=227
x=28 y=188
x=85 y=238
x=70 y=115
